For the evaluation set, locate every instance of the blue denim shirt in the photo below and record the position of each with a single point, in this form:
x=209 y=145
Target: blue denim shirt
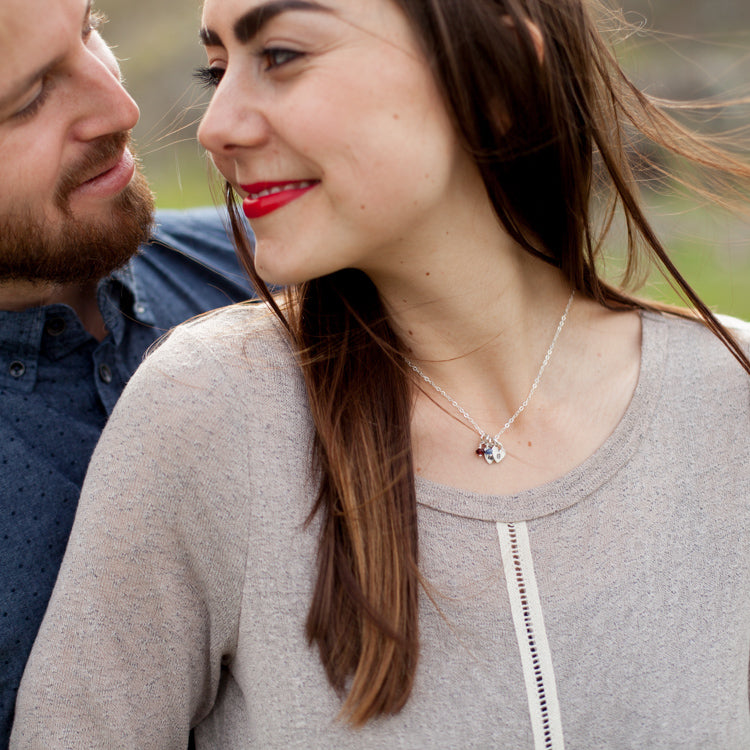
x=58 y=385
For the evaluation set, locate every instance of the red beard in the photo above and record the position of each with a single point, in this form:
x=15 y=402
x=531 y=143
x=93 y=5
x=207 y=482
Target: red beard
x=74 y=249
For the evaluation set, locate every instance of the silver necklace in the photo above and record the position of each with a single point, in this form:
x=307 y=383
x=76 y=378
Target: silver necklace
x=490 y=448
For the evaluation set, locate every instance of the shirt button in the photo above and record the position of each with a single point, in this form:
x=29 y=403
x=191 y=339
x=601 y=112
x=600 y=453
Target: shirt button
x=55 y=326
x=105 y=374
x=17 y=369
x=140 y=309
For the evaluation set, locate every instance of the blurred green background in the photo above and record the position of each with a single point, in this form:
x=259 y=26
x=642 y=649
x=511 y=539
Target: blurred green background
x=702 y=48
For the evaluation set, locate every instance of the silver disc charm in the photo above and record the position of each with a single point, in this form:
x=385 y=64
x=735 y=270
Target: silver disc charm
x=492 y=451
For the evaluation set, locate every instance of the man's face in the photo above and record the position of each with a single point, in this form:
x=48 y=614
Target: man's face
x=73 y=205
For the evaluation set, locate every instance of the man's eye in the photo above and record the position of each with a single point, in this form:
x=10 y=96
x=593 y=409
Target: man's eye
x=209 y=77
x=275 y=57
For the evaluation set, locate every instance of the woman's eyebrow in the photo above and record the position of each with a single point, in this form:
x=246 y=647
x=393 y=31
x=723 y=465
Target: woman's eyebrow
x=251 y=23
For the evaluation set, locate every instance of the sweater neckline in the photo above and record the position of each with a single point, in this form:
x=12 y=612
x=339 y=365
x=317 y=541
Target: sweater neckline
x=564 y=492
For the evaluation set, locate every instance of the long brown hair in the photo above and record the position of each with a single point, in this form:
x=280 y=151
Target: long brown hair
x=549 y=131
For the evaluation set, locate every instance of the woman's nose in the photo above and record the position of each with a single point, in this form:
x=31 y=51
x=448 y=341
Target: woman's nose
x=233 y=121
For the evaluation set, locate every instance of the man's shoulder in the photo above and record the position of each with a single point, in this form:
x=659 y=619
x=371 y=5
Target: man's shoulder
x=207 y=224
x=200 y=234
x=189 y=265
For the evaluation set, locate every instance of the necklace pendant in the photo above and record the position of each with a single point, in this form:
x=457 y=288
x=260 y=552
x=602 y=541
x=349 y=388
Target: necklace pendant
x=492 y=451
x=490 y=448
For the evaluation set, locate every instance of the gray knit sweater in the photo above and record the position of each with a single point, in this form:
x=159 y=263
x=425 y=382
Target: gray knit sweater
x=607 y=609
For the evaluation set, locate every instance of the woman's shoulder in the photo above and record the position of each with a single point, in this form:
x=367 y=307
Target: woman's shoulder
x=237 y=358
x=246 y=335
x=248 y=324
x=694 y=330
x=693 y=349
x=739 y=328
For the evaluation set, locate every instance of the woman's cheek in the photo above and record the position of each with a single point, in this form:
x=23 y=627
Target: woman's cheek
x=226 y=167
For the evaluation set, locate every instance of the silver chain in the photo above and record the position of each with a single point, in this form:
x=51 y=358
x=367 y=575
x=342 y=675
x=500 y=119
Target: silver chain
x=486 y=437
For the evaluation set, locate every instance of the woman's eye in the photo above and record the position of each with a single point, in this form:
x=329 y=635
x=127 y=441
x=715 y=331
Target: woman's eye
x=272 y=58
x=275 y=57
x=209 y=77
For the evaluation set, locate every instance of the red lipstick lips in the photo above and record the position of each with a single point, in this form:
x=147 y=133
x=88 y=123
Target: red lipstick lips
x=265 y=197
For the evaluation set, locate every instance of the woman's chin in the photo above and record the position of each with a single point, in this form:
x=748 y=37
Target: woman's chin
x=281 y=277
x=276 y=267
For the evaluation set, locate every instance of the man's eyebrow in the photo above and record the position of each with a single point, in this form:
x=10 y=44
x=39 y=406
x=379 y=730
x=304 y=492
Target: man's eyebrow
x=250 y=24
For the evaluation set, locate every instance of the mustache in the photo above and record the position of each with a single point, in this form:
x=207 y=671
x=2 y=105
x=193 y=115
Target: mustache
x=102 y=154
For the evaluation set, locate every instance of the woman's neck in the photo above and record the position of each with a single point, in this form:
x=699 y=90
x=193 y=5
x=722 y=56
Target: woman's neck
x=479 y=326
x=478 y=318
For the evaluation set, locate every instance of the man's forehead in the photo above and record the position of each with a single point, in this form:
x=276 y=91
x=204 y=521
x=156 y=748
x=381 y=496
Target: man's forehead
x=28 y=24
x=15 y=20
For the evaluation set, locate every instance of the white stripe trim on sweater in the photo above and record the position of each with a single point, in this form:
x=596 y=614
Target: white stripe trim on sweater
x=528 y=619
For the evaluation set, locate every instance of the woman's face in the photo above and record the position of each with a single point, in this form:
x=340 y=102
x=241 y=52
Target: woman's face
x=327 y=120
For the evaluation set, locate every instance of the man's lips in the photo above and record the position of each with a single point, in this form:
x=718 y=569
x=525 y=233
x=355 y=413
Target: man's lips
x=111 y=179
x=265 y=197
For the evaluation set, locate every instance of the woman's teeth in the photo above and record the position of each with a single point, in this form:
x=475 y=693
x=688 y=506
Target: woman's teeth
x=280 y=189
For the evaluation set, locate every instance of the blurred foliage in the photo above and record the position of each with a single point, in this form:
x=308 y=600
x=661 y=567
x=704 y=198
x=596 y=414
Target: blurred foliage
x=709 y=247
x=688 y=49
x=158 y=49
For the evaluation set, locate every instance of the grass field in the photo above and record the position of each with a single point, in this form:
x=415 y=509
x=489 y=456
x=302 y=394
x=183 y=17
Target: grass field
x=722 y=281
x=709 y=247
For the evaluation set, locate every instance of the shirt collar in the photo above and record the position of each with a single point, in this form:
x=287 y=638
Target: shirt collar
x=141 y=309
x=22 y=333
